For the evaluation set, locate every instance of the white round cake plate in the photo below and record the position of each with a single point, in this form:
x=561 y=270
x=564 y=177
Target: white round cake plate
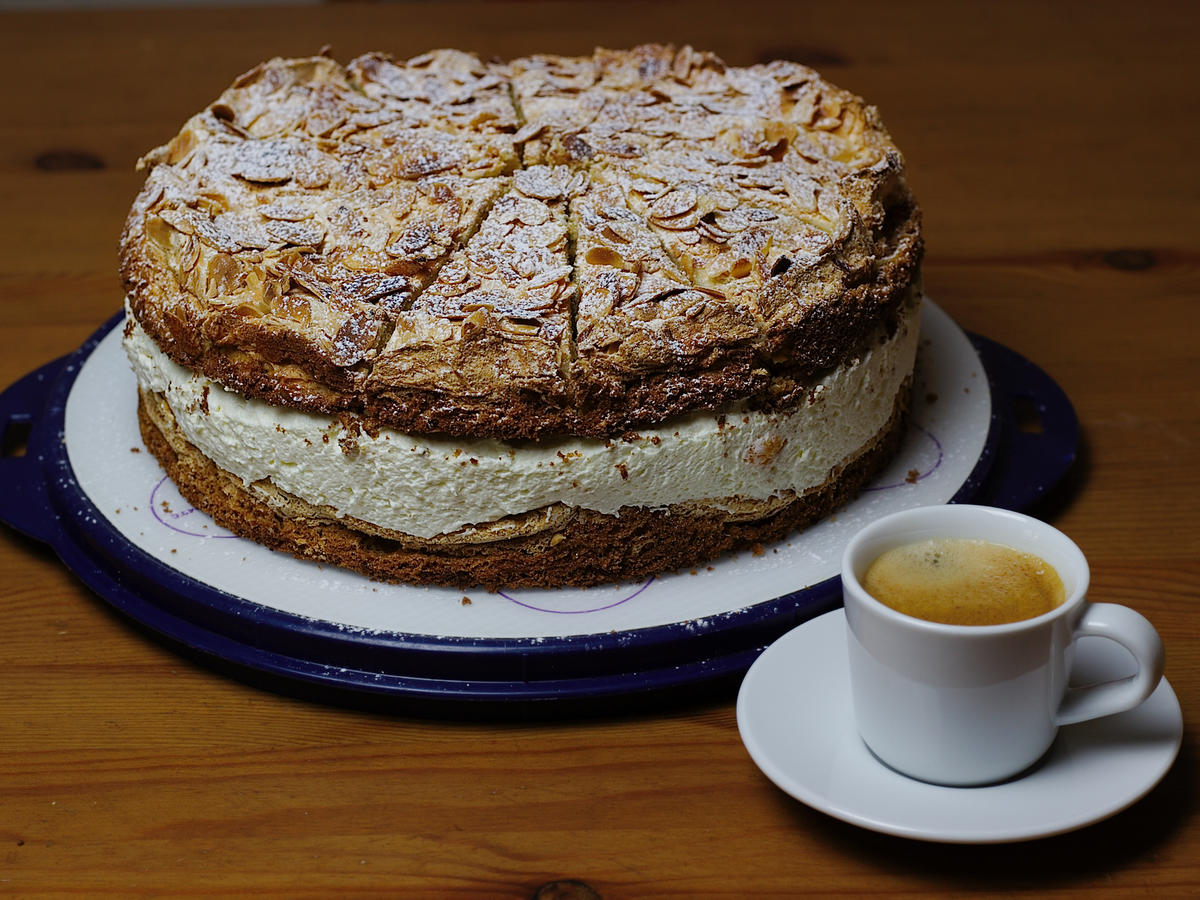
x=89 y=489
x=796 y=720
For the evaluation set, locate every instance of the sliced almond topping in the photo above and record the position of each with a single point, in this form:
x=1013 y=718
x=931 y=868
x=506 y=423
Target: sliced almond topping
x=603 y=256
x=672 y=204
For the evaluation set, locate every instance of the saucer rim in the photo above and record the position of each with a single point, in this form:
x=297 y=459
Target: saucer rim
x=795 y=786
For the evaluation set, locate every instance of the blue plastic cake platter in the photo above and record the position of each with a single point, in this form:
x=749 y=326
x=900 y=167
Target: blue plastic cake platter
x=1030 y=443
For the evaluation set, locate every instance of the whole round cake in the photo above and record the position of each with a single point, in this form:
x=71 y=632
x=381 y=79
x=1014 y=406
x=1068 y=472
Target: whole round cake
x=554 y=321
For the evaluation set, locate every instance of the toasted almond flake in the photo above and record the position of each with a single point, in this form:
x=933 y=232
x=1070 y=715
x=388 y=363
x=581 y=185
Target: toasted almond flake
x=603 y=256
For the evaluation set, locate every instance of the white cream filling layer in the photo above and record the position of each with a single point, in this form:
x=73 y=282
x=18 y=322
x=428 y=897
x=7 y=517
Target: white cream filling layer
x=427 y=486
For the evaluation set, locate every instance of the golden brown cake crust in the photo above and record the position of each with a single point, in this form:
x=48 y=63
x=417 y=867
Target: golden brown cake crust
x=515 y=250
x=567 y=547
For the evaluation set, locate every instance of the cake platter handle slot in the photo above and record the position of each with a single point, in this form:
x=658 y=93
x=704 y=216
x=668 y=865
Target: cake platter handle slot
x=25 y=435
x=1039 y=433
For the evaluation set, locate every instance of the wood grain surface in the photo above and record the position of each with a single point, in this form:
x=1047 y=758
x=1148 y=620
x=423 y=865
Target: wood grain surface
x=1053 y=149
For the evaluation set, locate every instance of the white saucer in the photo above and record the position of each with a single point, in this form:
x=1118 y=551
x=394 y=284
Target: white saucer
x=795 y=718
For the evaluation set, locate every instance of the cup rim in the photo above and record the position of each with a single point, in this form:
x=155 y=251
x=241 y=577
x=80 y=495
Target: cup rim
x=1074 y=600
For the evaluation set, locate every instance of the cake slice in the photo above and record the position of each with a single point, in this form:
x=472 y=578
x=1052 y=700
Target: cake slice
x=616 y=105
x=446 y=89
x=279 y=233
x=647 y=337
x=822 y=254
x=486 y=347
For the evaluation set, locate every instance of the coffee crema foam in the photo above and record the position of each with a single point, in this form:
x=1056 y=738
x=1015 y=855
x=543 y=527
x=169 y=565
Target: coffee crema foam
x=958 y=581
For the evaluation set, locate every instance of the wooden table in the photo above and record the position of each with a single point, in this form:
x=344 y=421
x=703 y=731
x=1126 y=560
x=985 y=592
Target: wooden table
x=1053 y=149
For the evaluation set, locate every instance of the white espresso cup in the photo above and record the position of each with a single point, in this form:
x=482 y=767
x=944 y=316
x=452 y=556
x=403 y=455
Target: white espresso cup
x=977 y=704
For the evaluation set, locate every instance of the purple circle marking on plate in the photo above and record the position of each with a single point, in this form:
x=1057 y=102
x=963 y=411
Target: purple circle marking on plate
x=920 y=476
x=171 y=518
x=575 y=612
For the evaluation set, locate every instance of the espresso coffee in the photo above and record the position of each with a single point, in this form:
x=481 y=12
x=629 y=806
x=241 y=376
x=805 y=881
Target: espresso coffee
x=957 y=581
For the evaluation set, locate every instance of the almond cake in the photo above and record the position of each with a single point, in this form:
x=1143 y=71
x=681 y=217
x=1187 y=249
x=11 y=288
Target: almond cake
x=553 y=321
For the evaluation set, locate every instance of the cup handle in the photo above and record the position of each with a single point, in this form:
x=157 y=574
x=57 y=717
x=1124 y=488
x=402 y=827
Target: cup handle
x=1133 y=632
